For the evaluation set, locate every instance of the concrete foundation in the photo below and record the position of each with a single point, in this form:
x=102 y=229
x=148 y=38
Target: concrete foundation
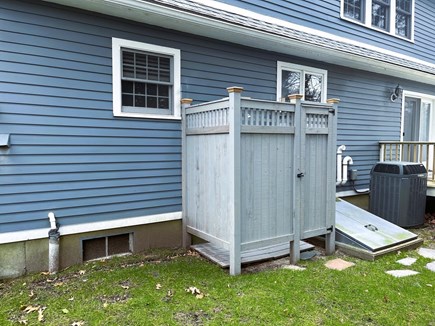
x=31 y=256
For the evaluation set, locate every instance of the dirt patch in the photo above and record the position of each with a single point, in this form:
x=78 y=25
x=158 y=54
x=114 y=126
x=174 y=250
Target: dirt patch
x=192 y=318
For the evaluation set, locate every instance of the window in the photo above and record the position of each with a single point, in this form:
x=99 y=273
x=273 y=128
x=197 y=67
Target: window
x=395 y=17
x=354 y=9
x=403 y=18
x=380 y=14
x=296 y=79
x=146 y=80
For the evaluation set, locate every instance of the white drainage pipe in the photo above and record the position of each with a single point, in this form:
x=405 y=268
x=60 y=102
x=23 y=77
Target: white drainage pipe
x=346 y=161
x=53 y=245
x=340 y=150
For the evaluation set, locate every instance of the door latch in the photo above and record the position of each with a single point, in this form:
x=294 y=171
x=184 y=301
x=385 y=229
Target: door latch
x=300 y=175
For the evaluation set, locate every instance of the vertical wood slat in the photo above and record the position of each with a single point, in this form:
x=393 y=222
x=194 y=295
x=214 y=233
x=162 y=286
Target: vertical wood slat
x=234 y=179
x=297 y=198
x=186 y=239
x=330 y=184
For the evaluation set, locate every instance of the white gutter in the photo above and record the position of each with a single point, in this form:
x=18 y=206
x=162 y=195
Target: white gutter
x=158 y=15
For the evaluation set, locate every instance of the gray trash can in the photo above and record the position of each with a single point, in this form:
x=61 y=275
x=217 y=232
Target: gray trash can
x=398 y=192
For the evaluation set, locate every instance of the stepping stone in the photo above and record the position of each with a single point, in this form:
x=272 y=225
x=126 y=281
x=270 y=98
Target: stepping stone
x=294 y=267
x=338 y=264
x=408 y=261
x=427 y=253
x=402 y=273
x=431 y=266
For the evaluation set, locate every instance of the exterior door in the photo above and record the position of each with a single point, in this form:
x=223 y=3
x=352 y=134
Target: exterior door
x=418 y=126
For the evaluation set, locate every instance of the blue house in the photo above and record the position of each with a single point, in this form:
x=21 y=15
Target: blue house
x=90 y=114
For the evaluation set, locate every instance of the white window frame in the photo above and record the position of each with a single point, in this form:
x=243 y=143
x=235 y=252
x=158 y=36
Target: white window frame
x=117 y=46
x=367 y=19
x=281 y=65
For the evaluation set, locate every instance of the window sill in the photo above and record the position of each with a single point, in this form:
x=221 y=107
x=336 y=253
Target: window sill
x=146 y=116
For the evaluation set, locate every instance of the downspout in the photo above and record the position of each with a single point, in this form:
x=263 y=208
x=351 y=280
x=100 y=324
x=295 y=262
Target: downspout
x=53 y=245
x=346 y=161
x=340 y=150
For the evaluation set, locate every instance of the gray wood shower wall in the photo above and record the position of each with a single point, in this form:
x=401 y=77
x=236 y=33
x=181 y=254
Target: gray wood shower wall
x=258 y=173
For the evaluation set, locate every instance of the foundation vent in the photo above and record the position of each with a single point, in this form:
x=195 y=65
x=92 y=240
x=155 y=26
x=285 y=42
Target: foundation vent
x=107 y=246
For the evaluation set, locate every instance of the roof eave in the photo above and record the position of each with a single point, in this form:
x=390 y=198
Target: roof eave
x=172 y=18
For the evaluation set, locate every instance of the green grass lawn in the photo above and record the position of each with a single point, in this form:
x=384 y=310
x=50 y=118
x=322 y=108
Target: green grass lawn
x=150 y=289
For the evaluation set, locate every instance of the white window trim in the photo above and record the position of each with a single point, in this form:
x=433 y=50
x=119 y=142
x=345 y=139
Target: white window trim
x=117 y=44
x=368 y=19
x=281 y=65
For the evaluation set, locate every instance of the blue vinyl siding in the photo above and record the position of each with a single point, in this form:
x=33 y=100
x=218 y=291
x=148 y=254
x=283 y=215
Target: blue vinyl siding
x=325 y=16
x=70 y=155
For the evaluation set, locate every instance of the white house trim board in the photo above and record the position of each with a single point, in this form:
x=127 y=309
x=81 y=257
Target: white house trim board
x=117 y=45
x=178 y=19
x=10 y=237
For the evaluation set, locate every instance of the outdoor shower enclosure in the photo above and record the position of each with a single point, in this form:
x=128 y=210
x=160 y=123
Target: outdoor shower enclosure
x=257 y=173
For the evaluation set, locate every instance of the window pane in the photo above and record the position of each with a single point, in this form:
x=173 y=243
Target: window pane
x=353 y=9
x=153 y=74
x=151 y=102
x=403 y=25
x=291 y=83
x=163 y=103
x=404 y=5
x=151 y=89
x=153 y=62
x=127 y=86
x=313 y=87
x=127 y=58
x=127 y=100
x=141 y=59
x=128 y=71
x=139 y=88
x=163 y=90
x=380 y=14
x=139 y=101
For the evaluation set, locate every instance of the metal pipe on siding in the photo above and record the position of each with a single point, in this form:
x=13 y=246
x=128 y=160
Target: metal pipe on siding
x=53 y=244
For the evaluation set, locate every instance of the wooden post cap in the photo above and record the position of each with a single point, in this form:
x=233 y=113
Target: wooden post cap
x=235 y=89
x=333 y=101
x=186 y=101
x=295 y=97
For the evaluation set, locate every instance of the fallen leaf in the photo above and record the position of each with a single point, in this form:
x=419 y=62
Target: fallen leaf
x=105 y=304
x=200 y=296
x=78 y=323
x=193 y=290
x=170 y=293
x=40 y=314
x=31 y=295
x=30 y=309
x=65 y=311
x=22 y=321
x=71 y=299
x=82 y=272
x=125 y=287
x=386 y=299
x=429 y=285
x=158 y=286
x=58 y=284
x=45 y=273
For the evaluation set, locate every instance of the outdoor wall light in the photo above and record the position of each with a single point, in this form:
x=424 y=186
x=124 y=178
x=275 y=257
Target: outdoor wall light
x=396 y=93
